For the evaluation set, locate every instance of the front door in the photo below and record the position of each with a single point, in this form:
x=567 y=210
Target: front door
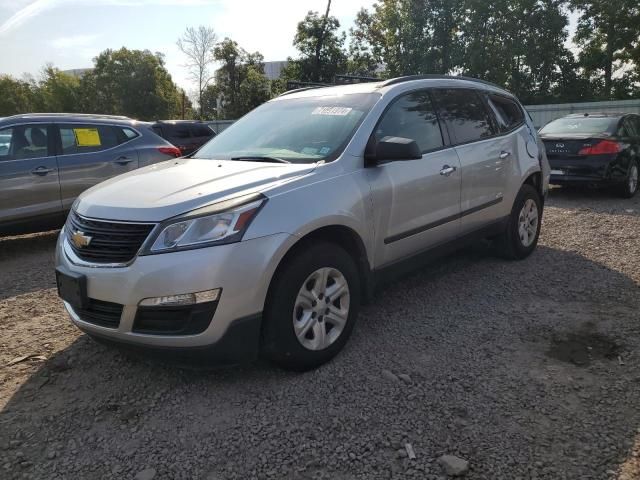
x=90 y=154
x=29 y=185
x=416 y=202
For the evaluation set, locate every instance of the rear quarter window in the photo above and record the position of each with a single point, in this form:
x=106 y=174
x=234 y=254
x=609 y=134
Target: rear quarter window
x=507 y=111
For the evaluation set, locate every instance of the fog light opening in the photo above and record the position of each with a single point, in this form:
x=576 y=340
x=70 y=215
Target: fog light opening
x=182 y=299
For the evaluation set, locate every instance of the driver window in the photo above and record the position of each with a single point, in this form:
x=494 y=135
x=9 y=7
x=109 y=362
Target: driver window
x=412 y=116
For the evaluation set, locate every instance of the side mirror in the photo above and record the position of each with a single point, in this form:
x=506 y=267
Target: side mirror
x=394 y=149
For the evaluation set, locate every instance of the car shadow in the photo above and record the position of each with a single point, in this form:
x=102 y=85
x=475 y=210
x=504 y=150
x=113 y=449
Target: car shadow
x=481 y=341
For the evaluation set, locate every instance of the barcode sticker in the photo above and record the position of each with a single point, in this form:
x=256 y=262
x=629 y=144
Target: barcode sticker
x=338 y=111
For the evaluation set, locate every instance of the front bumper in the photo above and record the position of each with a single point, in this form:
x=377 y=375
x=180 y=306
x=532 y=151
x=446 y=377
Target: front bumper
x=242 y=270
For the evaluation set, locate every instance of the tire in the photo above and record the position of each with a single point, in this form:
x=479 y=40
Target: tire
x=514 y=244
x=290 y=308
x=630 y=187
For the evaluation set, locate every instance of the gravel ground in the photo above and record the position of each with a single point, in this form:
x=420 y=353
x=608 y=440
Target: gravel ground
x=527 y=370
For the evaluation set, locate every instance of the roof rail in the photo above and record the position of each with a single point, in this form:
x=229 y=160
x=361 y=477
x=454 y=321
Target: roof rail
x=82 y=115
x=296 y=90
x=409 y=78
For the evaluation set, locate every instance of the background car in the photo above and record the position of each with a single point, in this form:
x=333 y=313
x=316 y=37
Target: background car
x=594 y=149
x=187 y=135
x=47 y=160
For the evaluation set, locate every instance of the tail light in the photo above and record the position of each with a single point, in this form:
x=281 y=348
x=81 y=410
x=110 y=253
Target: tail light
x=601 y=148
x=170 y=151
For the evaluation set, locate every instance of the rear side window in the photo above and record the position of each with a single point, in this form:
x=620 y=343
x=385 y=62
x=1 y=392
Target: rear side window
x=508 y=112
x=79 y=138
x=631 y=127
x=178 y=131
x=412 y=116
x=157 y=130
x=464 y=113
x=201 y=131
x=24 y=141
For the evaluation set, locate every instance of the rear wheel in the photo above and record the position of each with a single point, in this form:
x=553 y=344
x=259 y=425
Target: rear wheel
x=523 y=228
x=312 y=307
x=629 y=188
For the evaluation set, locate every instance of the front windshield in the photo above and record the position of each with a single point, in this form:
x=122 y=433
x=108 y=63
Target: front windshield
x=296 y=130
x=579 y=126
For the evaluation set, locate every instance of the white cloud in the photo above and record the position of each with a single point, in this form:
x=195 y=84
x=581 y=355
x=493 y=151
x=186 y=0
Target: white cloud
x=73 y=41
x=26 y=13
x=36 y=7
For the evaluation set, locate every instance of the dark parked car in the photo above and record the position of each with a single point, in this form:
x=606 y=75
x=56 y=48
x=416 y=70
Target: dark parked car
x=47 y=160
x=595 y=149
x=187 y=135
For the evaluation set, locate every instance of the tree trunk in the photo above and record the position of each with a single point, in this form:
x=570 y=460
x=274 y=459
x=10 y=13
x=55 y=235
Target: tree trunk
x=608 y=67
x=320 y=41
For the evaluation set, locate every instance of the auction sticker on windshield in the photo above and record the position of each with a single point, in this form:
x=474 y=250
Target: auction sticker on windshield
x=87 y=137
x=337 y=111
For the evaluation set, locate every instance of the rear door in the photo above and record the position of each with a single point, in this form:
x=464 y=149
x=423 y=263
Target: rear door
x=29 y=182
x=417 y=202
x=91 y=153
x=484 y=159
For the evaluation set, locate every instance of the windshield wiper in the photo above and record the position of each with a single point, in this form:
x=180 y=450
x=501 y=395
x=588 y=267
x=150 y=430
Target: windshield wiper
x=261 y=159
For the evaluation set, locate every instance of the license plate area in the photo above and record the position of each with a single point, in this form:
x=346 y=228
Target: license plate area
x=72 y=287
x=557 y=172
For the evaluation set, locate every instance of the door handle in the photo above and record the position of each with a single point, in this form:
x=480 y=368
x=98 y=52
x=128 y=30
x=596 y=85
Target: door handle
x=123 y=160
x=447 y=170
x=42 y=171
x=504 y=155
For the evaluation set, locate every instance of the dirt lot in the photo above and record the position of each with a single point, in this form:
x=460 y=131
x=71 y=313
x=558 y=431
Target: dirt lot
x=526 y=370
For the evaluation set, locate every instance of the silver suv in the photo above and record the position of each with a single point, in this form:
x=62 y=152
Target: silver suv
x=48 y=159
x=269 y=238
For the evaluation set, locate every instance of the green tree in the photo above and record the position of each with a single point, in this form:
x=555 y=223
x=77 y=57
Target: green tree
x=133 y=83
x=518 y=44
x=16 y=96
x=408 y=36
x=241 y=84
x=607 y=34
x=321 y=47
x=58 y=91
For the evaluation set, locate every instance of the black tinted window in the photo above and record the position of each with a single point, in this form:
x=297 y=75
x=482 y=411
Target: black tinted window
x=632 y=127
x=412 y=116
x=465 y=114
x=24 y=141
x=201 y=131
x=177 y=131
x=508 y=112
x=78 y=138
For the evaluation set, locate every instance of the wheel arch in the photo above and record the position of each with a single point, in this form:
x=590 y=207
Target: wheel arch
x=341 y=235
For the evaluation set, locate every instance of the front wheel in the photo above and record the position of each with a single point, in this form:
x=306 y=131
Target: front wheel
x=523 y=228
x=629 y=188
x=312 y=307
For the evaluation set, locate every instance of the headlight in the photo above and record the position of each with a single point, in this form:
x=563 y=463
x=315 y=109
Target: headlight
x=196 y=230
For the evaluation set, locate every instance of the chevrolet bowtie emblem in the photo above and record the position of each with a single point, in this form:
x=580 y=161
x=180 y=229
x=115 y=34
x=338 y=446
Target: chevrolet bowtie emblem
x=80 y=240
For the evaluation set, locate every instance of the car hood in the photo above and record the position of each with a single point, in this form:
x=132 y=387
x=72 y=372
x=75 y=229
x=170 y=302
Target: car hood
x=167 y=189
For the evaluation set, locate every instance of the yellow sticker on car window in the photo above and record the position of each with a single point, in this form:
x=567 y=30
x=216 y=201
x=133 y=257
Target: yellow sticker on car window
x=87 y=137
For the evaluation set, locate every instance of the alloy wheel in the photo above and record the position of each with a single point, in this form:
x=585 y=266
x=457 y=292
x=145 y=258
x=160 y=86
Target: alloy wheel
x=528 y=223
x=321 y=308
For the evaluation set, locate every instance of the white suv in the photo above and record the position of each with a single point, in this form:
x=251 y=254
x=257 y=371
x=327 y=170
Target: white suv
x=269 y=237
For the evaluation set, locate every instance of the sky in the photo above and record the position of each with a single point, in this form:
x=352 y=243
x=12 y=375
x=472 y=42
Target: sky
x=70 y=33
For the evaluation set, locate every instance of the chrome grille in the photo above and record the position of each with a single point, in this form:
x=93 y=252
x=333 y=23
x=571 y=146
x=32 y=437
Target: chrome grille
x=111 y=242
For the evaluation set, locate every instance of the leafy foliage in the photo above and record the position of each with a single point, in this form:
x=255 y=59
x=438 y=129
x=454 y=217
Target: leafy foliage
x=240 y=83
